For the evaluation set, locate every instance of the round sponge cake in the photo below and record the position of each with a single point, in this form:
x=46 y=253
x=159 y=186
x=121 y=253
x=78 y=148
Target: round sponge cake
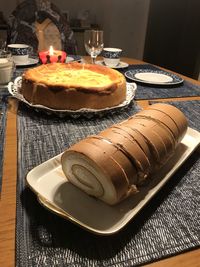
x=73 y=86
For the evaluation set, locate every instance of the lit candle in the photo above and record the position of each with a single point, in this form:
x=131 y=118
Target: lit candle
x=52 y=56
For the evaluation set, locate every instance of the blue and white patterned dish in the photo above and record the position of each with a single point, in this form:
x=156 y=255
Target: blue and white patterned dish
x=157 y=77
x=14 y=90
x=110 y=52
x=19 y=49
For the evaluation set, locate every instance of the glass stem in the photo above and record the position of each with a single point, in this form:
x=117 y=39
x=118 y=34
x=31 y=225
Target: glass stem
x=93 y=60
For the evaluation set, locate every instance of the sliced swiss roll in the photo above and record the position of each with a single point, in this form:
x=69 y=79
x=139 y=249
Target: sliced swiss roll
x=90 y=168
x=117 y=154
x=115 y=163
x=175 y=115
x=155 y=128
x=161 y=118
x=130 y=149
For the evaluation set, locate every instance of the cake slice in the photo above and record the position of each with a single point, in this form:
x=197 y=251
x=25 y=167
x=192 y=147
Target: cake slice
x=115 y=163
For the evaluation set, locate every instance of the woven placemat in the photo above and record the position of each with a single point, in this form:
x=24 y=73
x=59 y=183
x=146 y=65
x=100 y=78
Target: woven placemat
x=3 y=110
x=168 y=225
x=148 y=91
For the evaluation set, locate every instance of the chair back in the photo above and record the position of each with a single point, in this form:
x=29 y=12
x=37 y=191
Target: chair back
x=39 y=23
x=47 y=34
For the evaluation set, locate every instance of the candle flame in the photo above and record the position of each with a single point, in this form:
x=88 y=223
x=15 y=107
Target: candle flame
x=51 y=50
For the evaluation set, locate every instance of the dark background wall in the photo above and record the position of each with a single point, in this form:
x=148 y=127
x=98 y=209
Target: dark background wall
x=124 y=22
x=162 y=32
x=173 y=36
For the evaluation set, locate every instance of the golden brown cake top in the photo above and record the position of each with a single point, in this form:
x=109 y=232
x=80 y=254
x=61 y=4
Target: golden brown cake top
x=75 y=75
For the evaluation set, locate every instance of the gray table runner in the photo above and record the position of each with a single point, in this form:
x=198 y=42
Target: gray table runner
x=3 y=108
x=168 y=225
x=145 y=91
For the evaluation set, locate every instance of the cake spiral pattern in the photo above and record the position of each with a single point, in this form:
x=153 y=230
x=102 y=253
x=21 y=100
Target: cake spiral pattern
x=115 y=163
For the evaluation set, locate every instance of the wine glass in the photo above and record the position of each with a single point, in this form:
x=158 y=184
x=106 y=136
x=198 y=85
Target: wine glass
x=93 y=40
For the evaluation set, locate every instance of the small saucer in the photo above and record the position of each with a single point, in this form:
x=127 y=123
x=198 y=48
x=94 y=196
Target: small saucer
x=121 y=64
x=29 y=62
x=71 y=58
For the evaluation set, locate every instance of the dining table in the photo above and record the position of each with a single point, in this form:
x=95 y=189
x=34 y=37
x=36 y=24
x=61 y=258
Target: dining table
x=9 y=240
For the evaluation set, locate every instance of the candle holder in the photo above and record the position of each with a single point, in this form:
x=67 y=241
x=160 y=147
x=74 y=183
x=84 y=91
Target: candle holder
x=55 y=57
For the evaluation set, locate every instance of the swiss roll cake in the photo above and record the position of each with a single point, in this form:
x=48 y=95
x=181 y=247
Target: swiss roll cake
x=115 y=163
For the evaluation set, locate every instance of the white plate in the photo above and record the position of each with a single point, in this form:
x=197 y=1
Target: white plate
x=153 y=77
x=121 y=65
x=31 y=61
x=61 y=197
x=14 y=90
x=71 y=58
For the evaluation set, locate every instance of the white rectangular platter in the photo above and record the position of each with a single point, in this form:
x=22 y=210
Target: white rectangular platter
x=61 y=197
